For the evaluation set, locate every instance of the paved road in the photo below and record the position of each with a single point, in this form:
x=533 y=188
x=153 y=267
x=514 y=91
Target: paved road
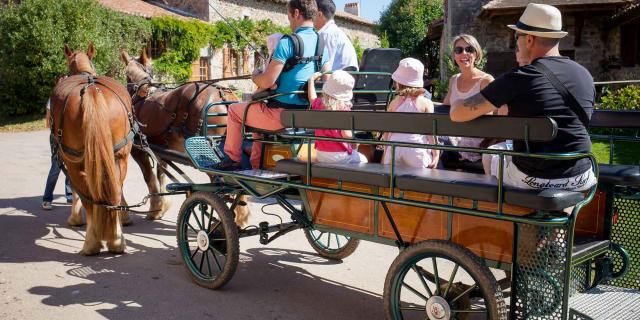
x=43 y=277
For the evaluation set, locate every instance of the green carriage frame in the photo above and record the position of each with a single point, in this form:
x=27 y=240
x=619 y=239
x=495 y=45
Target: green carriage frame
x=552 y=270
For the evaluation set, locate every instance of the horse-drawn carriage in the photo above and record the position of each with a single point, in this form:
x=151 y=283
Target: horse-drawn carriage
x=469 y=246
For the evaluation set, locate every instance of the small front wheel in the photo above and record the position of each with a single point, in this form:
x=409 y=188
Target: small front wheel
x=331 y=245
x=441 y=280
x=208 y=240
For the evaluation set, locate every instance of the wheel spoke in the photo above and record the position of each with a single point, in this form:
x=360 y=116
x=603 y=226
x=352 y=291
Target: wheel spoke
x=338 y=241
x=415 y=291
x=328 y=240
x=193 y=254
x=424 y=283
x=463 y=293
x=214 y=228
x=192 y=228
x=202 y=261
x=210 y=219
x=470 y=311
x=195 y=216
x=435 y=274
x=213 y=251
x=208 y=263
x=408 y=308
x=202 y=211
x=453 y=275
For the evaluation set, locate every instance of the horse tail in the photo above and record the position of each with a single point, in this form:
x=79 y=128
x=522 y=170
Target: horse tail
x=99 y=159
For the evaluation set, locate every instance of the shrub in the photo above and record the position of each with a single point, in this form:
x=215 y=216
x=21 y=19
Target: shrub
x=32 y=38
x=626 y=98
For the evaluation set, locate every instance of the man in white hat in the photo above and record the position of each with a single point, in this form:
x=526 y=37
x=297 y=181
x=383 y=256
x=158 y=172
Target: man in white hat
x=551 y=86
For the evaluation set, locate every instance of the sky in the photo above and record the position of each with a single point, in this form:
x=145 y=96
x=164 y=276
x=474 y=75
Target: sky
x=369 y=9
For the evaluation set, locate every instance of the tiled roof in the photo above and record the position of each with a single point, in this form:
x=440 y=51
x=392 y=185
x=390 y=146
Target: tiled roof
x=139 y=8
x=516 y=4
x=340 y=14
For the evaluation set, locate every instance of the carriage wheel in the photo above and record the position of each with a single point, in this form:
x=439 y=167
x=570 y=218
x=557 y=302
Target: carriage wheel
x=208 y=240
x=331 y=245
x=440 y=280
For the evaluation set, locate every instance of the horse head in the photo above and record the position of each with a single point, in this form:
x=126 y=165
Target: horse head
x=139 y=73
x=80 y=62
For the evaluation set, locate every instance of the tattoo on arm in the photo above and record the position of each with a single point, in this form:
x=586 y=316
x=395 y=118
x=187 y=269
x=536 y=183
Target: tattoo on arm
x=474 y=102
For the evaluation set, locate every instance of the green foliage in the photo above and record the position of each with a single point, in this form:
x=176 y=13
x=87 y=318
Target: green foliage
x=384 y=41
x=358 y=47
x=405 y=25
x=32 y=39
x=183 y=40
x=626 y=98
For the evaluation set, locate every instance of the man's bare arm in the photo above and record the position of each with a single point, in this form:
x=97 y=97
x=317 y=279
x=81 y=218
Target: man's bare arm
x=470 y=108
x=270 y=75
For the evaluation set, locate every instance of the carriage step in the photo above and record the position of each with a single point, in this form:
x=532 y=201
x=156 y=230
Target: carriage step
x=605 y=302
x=267 y=174
x=586 y=249
x=203 y=154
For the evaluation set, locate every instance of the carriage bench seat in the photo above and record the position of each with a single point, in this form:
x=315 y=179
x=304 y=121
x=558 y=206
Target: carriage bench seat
x=441 y=182
x=619 y=175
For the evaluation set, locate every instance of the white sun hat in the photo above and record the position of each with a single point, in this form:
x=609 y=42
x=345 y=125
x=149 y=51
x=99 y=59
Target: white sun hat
x=540 y=20
x=340 y=86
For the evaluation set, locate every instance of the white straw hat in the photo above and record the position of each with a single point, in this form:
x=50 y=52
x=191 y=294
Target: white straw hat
x=540 y=20
x=340 y=86
x=409 y=73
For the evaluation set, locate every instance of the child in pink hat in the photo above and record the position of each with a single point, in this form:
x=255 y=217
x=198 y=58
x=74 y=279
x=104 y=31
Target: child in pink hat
x=410 y=98
x=337 y=93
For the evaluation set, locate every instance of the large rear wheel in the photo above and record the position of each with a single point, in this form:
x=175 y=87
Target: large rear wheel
x=208 y=240
x=440 y=280
x=331 y=245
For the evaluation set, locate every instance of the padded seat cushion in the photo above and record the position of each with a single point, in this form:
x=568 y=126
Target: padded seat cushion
x=619 y=175
x=433 y=181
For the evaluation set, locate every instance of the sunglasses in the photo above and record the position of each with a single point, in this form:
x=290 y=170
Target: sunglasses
x=518 y=35
x=459 y=50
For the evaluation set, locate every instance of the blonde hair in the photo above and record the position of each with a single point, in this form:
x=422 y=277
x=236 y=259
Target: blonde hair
x=334 y=104
x=473 y=42
x=405 y=91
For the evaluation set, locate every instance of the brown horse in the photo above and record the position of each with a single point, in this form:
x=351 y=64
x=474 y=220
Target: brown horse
x=92 y=128
x=168 y=117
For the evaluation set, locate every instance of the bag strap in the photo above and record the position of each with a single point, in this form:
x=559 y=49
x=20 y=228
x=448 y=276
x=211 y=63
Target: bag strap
x=564 y=92
x=298 y=53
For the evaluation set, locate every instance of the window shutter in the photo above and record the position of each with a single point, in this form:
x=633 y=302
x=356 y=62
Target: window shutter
x=245 y=61
x=226 y=62
x=628 y=44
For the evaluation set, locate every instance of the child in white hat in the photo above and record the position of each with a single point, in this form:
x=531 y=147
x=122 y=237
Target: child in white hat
x=337 y=93
x=410 y=98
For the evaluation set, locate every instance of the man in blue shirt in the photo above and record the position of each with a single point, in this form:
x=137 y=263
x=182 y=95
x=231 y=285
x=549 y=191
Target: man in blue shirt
x=342 y=54
x=266 y=116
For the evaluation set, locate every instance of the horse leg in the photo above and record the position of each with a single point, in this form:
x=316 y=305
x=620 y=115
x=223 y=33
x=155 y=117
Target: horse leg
x=75 y=219
x=242 y=212
x=150 y=178
x=164 y=202
x=118 y=244
x=92 y=244
x=124 y=215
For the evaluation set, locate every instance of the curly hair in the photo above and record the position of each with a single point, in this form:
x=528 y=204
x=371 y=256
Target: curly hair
x=403 y=90
x=334 y=104
x=308 y=8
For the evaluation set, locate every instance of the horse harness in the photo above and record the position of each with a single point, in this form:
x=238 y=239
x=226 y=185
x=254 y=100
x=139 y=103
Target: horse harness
x=59 y=147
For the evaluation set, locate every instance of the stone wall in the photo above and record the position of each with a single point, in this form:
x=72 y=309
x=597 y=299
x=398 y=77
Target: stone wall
x=260 y=10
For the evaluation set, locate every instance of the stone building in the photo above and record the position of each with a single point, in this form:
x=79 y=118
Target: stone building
x=603 y=34
x=226 y=62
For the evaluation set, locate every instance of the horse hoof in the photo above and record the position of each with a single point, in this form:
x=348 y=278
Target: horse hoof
x=127 y=223
x=90 y=251
x=117 y=246
x=74 y=223
x=155 y=216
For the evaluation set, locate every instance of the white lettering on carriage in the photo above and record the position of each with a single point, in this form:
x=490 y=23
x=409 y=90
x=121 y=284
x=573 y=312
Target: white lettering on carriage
x=566 y=184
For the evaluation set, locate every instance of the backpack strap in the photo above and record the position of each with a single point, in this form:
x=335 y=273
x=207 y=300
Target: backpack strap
x=298 y=56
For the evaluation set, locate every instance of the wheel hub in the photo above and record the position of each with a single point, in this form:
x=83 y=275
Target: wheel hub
x=203 y=240
x=438 y=308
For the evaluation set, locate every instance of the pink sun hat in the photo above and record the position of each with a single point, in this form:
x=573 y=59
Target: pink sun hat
x=340 y=86
x=409 y=73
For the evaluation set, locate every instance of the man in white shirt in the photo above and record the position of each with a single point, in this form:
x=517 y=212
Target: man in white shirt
x=342 y=55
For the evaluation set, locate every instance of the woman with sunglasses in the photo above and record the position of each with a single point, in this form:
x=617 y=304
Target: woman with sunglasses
x=467 y=53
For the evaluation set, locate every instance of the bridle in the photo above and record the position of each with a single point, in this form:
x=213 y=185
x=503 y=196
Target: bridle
x=135 y=87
